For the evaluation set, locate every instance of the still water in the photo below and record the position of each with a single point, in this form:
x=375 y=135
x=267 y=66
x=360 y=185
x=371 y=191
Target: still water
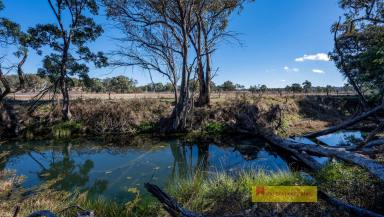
x=109 y=169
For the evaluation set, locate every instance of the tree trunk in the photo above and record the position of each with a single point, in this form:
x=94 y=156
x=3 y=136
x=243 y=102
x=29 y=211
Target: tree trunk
x=65 y=109
x=63 y=82
x=205 y=95
x=9 y=121
x=175 y=92
x=207 y=79
x=180 y=112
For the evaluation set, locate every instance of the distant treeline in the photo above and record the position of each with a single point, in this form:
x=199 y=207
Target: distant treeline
x=123 y=84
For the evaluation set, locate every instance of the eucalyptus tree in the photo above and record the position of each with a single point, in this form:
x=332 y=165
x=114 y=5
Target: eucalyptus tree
x=211 y=19
x=307 y=86
x=359 y=47
x=12 y=36
x=158 y=31
x=152 y=49
x=68 y=39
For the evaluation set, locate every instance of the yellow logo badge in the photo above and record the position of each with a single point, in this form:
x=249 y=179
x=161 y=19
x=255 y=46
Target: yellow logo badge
x=290 y=194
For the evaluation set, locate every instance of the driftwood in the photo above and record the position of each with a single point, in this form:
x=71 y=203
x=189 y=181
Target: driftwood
x=347 y=123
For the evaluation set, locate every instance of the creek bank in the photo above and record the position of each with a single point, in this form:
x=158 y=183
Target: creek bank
x=289 y=116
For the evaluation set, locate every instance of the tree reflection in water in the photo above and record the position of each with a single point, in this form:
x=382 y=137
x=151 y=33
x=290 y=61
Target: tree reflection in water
x=70 y=175
x=183 y=166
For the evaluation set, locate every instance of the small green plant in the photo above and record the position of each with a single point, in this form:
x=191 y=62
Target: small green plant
x=66 y=129
x=214 y=128
x=146 y=127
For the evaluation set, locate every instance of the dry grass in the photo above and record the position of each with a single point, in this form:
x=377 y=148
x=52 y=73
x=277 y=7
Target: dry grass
x=215 y=97
x=288 y=115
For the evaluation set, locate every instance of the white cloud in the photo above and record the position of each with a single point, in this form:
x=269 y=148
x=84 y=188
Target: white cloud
x=288 y=69
x=314 y=57
x=318 y=71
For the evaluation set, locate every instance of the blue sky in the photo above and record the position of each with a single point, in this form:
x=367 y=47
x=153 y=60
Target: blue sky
x=276 y=35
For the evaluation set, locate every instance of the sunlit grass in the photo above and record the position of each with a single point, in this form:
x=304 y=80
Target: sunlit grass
x=351 y=184
x=213 y=194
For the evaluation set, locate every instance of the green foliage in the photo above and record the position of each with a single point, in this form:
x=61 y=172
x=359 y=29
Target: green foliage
x=307 y=85
x=214 y=128
x=10 y=31
x=296 y=88
x=121 y=84
x=146 y=127
x=62 y=39
x=258 y=88
x=360 y=44
x=230 y=86
x=67 y=129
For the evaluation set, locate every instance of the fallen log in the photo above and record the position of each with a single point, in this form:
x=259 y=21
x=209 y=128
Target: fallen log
x=375 y=168
x=346 y=123
x=369 y=148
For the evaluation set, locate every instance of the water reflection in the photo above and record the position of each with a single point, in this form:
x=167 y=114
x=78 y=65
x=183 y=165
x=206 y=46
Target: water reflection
x=342 y=138
x=69 y=174
x=109 y=170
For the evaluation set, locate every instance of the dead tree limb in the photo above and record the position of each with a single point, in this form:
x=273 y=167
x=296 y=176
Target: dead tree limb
x=346 y=123
x=374 y=143
x=370 y=136
x=169 y=204
x=347 y=207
